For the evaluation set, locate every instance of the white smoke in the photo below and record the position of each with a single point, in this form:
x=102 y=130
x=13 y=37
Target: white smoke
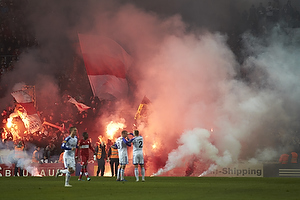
x=8 y=158
x=211 y=168
x=251 y=113
x=195 y=143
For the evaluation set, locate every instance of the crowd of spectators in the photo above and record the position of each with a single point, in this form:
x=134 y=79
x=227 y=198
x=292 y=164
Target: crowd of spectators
x=14 y=36
x=260 y=18
x=54 y=129
x=15 y=39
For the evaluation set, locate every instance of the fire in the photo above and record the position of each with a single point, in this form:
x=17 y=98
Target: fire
x=9 y=123
x=153 y=146
x=100 y=138
x=12 y=128
x=112 y=128
x=33 y=171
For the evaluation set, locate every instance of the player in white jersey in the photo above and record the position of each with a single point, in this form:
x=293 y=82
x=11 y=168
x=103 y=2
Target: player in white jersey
x=121 y=144
x=69 y=145
x=138 y=157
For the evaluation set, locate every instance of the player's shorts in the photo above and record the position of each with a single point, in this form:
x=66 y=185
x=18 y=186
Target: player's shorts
x=138 y=158
x=69 y=161
x=84 y=160
x=123 y=159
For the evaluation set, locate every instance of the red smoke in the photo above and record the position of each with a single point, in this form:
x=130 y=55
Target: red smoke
x=189 y=75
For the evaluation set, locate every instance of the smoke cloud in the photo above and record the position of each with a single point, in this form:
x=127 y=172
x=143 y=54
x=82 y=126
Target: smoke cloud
x=9 y=158
x=206 y=107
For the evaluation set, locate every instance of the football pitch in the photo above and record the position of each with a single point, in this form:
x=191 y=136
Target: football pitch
x=154 y=188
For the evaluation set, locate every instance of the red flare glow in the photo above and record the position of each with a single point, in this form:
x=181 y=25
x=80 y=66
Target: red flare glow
x=112 y=129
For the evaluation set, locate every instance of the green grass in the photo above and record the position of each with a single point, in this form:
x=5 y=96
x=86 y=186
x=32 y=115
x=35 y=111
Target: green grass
x=154 y=188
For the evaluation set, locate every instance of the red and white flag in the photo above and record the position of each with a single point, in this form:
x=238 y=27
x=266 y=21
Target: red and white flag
x=80 y=106
x=29 y=115
x=106 y=64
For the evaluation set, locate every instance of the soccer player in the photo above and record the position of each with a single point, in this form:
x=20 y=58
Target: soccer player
x=69 y=145
x=83 y=147
x=138 y=157
x=121 y=144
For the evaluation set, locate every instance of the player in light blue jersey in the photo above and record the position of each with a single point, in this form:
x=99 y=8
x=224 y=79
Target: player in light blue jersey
x=69 y=145
x=138 y=157
x=121 y=144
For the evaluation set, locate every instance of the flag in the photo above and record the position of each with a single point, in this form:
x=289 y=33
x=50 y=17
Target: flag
x=142 y=111
x=27 y=111
x=25 y=100
x=106 y=65
x=80 y=106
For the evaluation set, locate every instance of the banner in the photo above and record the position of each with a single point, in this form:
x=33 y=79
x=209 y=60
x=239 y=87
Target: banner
x=142 y=111
x=80 y=106
x=45 y=169
x=106 y=65
x=26 y=110
x=237 y=170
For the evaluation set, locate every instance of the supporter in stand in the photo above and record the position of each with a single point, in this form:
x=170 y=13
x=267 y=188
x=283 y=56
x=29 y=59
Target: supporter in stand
x=49 y=151
x=284 y=158
x=61 y=157
x=19 y=156
x=37 y=155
